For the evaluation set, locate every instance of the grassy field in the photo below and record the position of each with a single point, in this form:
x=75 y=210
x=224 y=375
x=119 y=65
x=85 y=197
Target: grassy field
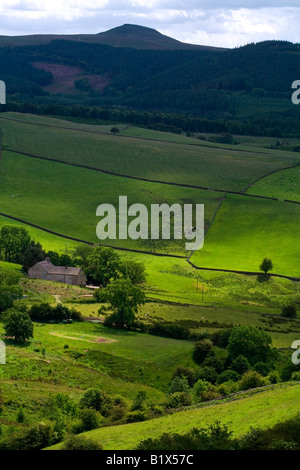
x=246 y=230
x=70 y=196
x=207 y=165
x=283 y=185
x=260 y=410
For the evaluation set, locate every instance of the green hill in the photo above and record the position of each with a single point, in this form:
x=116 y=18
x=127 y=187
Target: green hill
x=259 y=410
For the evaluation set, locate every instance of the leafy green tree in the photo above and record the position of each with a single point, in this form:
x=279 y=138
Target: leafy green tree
x=250 y=342
x=32 y=255
x=103 y=265
x=266 y=265
x=202 y=349
x=14 y=240
x=124 y=299
x=134 y=270
x=93 y=398
x=251 y=379
x=179 y=384
x=19 y=325
x=240 y=364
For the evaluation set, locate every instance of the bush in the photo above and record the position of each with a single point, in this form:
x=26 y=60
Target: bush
x=179 y=384
x=44 y=313
x=190 y=374
x=93 y=398
x=80 y=443
x=220 y=338
x=88 y=419
x=228 y=375
x=240 y=364
x=251 y=379
x=199 y=388
x=262 y=368
x=202 y=349
x=178 y=399
x=136 y=416
x=19 y=325
x=289 y=311
x=168 y=330
x=215 y=362
x=209 y=374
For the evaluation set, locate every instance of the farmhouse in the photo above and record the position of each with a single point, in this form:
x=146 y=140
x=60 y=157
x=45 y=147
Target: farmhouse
x=66 y=274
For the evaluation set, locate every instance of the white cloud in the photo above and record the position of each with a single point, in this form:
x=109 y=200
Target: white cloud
x=221 y=23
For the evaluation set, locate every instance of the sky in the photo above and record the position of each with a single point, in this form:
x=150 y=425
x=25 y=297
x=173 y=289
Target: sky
x=228 y=23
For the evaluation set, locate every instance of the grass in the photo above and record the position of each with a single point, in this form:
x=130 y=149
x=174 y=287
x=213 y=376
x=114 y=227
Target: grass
x=207 y=165
x=257 y=229
x=70 y=197
x=282 y=185
x=260 y=410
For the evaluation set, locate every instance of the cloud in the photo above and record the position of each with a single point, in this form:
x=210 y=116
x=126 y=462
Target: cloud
x=226 y=23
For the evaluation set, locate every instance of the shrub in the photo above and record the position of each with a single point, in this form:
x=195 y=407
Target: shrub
x=93 y=398
x=178 y=399
x=220 y=338
x=179 y=384
x=209 y=374
x=80 y=443
x=215 y=362
x=199 y=388
x=240 y=364
x=262 y=368
x=136 y=416
x=289 y=311
x=202 y=349
x=228 y=375
x=19 y=325
x=88 y=419
x=190 y=374
x=139 y=400
x=251 y=379
x=168 y=330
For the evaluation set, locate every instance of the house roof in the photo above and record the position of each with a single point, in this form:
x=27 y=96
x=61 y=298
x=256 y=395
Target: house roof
x=51 y=269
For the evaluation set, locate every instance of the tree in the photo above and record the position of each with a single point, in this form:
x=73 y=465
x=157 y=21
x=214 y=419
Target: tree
x=134 y=270
x=289 y=311
x=250 y=342
x=7 y=296
x=266 y=265
x=124 y=299
x=19 y=325
x=13 y=242
x=202 y=349
x=103 y=264
x=32 y=255
x=114 y=130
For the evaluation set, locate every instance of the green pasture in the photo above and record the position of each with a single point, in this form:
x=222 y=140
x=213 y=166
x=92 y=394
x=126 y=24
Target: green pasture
x=259 y=410
x=131 y=360
x=205 y=165
x=64 y=198
x=246 y=230
x=283 y=185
